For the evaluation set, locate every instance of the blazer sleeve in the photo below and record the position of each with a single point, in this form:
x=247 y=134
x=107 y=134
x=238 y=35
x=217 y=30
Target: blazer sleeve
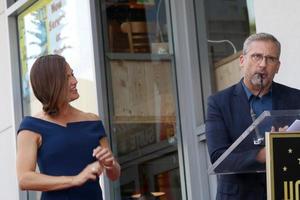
x=217 y=135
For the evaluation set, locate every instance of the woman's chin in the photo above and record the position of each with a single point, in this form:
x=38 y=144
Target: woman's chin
x=74 y=97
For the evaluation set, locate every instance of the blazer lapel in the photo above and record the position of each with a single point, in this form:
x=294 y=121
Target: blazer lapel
x=240 y=99
x=276 y=97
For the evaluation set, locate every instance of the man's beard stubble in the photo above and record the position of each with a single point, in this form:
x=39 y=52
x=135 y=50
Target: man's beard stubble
x=257 y=80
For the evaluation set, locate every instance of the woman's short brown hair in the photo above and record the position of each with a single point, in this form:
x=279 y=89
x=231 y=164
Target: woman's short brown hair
x=48 y=81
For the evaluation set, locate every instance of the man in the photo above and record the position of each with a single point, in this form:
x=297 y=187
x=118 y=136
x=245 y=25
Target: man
x=228 y=115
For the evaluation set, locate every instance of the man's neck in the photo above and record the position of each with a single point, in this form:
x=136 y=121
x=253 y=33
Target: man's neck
x=256 y=90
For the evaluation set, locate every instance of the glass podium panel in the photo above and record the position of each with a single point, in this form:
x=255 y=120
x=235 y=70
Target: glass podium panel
x=240 y=156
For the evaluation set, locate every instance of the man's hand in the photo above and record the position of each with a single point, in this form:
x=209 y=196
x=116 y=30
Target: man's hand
x=280 y=129
x=261 y=156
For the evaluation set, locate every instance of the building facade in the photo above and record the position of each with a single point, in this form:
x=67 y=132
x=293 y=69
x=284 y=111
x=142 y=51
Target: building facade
x=146 y=67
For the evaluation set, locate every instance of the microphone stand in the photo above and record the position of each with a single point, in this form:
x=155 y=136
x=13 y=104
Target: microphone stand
x=258 y=140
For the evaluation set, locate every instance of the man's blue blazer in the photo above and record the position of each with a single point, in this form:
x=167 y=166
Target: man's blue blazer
x=228 y=116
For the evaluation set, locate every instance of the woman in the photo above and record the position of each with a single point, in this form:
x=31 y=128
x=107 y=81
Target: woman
x=63 y=140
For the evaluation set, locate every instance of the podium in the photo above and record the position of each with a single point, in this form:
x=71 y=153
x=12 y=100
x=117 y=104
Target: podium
x=240 y=156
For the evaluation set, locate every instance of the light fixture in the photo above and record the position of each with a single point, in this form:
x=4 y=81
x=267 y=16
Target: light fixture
x=226 y=41
x=136 y=196
x=158 y=194
x=155 y=194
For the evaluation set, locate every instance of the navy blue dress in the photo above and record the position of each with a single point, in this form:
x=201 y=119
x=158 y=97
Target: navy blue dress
x=66 y=151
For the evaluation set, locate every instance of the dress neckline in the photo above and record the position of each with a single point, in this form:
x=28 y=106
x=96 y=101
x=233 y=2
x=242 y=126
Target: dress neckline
x=66 y=125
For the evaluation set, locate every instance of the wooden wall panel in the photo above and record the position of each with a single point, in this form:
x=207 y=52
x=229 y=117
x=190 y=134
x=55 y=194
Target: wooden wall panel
x=227 y=71
x=142 y=90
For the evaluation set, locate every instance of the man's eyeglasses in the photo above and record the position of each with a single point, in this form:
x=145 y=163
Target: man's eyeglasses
x=258 y=58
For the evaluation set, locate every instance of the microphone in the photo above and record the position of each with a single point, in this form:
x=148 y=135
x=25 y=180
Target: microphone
x=261 y=85
x=258 y=140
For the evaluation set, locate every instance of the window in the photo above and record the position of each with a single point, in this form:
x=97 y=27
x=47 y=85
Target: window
x=142 y=98
x=57 y=27
x=229 y=23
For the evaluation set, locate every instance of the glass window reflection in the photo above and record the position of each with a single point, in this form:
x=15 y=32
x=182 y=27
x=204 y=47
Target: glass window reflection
x=140 y=70
x=56 y=27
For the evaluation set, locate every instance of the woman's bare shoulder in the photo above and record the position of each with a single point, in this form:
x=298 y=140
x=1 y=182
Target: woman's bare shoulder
x=29 y=136
x=92 y=116
x=87 y=116
x=39 y=115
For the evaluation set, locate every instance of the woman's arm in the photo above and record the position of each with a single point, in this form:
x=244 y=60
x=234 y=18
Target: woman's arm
x=104 y=155
x=107 y=160
x=28 y=144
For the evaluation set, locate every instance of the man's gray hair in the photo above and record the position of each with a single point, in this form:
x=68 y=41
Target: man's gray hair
x=260 y=37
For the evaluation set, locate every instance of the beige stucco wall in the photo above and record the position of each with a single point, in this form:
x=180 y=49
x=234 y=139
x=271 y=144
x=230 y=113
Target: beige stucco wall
x=282 y=19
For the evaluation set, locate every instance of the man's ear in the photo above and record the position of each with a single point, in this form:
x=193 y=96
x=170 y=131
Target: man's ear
x=242 y=60
x=278 y=66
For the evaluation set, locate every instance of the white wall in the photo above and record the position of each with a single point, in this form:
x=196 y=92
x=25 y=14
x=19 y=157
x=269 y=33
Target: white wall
x=8 y=182
x=282 y=19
